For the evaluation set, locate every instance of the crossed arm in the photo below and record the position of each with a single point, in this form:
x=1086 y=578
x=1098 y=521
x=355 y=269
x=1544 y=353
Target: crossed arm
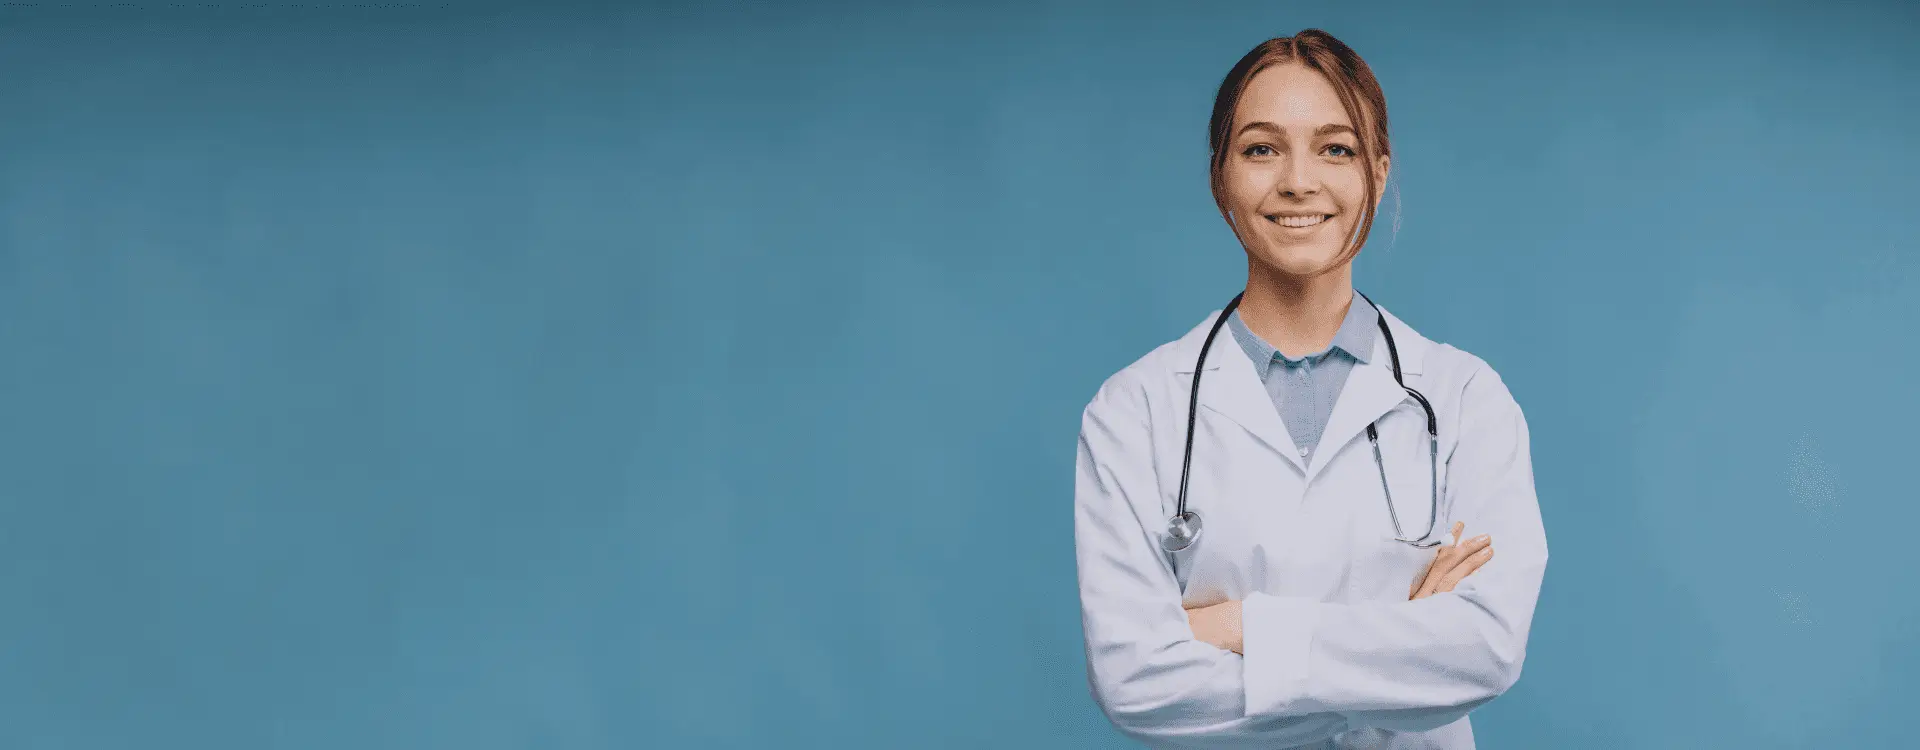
x=1220 y=624
x=1306 y=669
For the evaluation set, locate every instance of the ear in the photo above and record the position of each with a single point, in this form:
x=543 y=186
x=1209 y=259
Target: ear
x=1381 y=168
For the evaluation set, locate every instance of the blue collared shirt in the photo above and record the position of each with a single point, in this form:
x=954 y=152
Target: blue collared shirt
x=1305 y=389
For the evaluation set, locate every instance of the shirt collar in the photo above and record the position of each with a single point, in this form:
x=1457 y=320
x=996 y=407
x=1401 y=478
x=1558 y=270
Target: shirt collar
x=1358 y=330
x=1355 y=337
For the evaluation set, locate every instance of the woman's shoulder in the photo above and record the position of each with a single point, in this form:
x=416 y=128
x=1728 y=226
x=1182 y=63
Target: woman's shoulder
x=1131 y=383
x=1455 y=361
x=1450 y=368
x=1474 y=381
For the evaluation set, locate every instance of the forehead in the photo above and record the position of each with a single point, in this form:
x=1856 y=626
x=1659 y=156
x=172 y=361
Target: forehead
x=1290 y=95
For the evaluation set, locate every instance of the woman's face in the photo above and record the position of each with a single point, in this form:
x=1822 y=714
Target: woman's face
x=1292 y=179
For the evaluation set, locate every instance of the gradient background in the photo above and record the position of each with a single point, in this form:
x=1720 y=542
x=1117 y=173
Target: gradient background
x=708 y=375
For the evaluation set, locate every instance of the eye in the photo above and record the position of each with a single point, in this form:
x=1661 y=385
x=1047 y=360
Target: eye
x=1343 y=151
x=1258 y=149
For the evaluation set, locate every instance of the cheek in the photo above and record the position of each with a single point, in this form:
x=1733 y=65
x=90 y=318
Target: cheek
x=1245 y=188
x=1349 y=187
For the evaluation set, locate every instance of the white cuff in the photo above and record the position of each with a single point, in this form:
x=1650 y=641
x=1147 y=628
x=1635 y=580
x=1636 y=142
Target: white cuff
x=1276 y=641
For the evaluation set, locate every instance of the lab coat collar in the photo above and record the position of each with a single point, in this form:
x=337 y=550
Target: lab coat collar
x=1232 y=387
x=1354 y=337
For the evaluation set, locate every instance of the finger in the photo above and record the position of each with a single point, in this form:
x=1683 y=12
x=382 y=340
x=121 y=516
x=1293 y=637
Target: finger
x=1420 y=581
x=1466 y=549
x=1443 y=561
x=1431 y=581
x=1449 y=555
x=1465 y=555
x=1470 y=547
x=1459 y=574
x=1466 y=568
x=1451 y=545
x=1431 y=578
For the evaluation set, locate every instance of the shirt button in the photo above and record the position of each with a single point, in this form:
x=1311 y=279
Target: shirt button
x=1305 y=451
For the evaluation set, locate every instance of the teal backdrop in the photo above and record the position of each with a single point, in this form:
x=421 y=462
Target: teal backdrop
x=707 y=375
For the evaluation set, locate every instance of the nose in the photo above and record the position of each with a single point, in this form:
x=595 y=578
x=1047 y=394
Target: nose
x=1296 y=180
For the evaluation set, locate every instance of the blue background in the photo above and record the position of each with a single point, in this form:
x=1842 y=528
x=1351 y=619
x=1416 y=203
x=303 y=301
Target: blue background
x=708 y=375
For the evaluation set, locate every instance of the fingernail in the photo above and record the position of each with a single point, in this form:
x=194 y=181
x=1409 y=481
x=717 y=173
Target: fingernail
x=1482 y=538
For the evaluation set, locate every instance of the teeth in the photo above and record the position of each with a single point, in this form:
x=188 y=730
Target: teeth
x=1302 y=221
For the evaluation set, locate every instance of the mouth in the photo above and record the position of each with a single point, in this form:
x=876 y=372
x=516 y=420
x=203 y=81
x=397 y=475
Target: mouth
x=1308 y=221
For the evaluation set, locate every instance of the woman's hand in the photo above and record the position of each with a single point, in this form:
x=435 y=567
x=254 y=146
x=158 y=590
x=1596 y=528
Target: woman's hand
x=1451 y=564
x=1218 y=625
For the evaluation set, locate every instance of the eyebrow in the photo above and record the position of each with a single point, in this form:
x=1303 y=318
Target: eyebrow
x=1327 y=129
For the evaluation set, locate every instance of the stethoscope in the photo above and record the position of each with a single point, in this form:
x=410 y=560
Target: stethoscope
x=1184 y=527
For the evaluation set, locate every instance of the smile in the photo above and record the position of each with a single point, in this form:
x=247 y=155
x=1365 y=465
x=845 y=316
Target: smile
x=1299 y=222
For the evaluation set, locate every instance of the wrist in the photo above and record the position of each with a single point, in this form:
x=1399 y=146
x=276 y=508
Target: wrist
x=1217 y=625
x=1232 y=622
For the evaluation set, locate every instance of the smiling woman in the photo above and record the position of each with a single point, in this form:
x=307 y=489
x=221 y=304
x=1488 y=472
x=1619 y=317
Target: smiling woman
x=1288 y=118
x=1313 y=609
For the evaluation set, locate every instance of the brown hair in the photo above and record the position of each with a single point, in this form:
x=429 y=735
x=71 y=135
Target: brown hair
x=1359 y=93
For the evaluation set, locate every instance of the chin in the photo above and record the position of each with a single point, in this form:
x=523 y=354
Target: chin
x=1300 y=261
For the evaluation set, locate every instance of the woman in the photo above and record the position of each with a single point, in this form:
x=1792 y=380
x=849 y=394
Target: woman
x=1302 y=600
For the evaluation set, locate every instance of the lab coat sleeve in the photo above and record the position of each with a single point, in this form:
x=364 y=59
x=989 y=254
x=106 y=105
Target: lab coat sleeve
x=1151 y=678
x=1419 y=665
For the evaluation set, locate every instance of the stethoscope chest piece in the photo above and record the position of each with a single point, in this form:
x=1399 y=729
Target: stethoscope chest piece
x=1182 y=531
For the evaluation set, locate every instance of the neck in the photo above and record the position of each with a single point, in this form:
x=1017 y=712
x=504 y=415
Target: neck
x=1297 y=315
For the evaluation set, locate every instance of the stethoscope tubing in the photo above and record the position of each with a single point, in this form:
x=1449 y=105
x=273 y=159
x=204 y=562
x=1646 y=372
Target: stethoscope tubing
x=1184 y=527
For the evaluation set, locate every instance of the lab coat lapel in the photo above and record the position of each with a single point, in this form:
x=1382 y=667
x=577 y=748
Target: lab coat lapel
x=1232 y=388
x=1369 y=393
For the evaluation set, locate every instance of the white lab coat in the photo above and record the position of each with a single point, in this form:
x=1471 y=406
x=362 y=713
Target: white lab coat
x=1335 y=654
